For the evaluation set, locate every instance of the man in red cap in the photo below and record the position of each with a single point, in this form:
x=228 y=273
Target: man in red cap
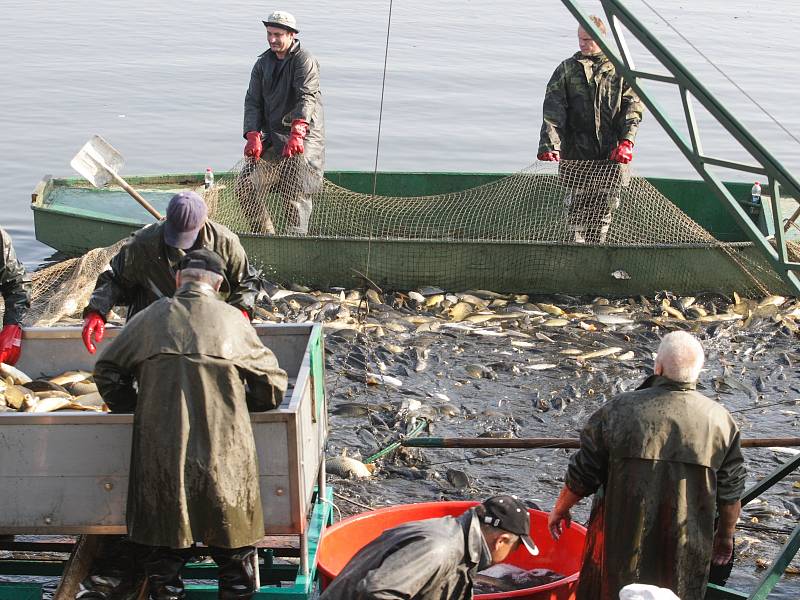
x=283 y=118
x=435 y=559
x=15 y=289
x=144 y=269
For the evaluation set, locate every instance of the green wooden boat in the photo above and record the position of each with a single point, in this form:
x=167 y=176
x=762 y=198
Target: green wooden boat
x=73 y=217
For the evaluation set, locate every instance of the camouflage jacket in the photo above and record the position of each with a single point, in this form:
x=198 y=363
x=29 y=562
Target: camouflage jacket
x=588 y=109
x=144 y=270
x=14 y=283
x=659 y=460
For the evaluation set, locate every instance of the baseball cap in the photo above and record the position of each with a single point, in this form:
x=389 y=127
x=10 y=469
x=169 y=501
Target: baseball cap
x=509 y=514
x=186 y=215
x=282 y=19
x=204 y=259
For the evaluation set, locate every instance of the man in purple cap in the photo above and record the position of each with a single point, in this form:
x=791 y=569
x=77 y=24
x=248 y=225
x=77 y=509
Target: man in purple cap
x=283 y=118
x=435 y=559
x=144 y=269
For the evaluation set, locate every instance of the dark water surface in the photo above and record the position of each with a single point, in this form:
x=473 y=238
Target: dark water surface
x=164 y=83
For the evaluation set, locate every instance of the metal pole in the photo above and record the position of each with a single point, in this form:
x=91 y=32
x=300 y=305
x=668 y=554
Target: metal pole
x=441 y=442
x=304 y=554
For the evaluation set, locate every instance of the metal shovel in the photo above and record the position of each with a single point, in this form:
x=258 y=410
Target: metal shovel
x=98 y=161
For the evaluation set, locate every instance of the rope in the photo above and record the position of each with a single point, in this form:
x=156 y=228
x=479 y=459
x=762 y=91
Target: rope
x=351 y=501
x=392 y=447
x=723 y=73
x=380 y=123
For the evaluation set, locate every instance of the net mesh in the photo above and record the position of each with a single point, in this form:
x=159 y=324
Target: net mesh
x=536 y=223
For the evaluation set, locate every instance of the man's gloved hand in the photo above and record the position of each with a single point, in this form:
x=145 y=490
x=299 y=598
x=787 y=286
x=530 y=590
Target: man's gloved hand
x=623 y=153
x=294 y=145
x=253 y=147
x=245 y=314
x=549 y=156
x=93 y=325
x=10 y=344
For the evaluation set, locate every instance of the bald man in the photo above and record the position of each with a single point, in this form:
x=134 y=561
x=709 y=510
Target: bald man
x=660 y=462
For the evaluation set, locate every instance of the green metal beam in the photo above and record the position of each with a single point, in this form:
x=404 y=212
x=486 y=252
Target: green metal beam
x=773 y=575
x=689 y=87
x=777 y=474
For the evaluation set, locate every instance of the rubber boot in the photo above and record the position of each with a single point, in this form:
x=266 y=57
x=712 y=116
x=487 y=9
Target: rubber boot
x=163 y=568
x=237 y=577
x=116 y=572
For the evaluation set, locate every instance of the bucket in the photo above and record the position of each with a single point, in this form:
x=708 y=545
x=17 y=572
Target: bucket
x=343 y=540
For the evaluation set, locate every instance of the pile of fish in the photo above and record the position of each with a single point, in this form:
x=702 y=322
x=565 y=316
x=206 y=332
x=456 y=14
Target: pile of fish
x=505 y=577
x=432 y=309
x=73 y=390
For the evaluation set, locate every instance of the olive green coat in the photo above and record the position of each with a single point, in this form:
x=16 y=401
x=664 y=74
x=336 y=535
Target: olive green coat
x=15 y=286
x=588 y=109
x=658 y=460
x=144 y=270
x=194 y=471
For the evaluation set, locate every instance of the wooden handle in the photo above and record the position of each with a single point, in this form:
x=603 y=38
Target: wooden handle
x=136 y=195
x=438 y=442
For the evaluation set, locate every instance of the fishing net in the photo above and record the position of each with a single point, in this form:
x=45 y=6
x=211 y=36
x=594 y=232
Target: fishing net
x=63 y=289
x=531 y=230
x=577 y=227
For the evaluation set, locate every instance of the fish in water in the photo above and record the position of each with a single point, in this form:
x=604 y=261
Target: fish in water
x=598 y=353
x=347 y=467
x=505 y=577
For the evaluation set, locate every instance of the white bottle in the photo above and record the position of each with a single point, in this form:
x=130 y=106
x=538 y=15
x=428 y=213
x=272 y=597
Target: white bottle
x=755 y=193
x=209 y=178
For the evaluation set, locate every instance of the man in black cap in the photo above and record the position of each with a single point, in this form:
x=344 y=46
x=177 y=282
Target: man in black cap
x=283 y=118
x=435 y=559
x=194 y=469
x=144 y=269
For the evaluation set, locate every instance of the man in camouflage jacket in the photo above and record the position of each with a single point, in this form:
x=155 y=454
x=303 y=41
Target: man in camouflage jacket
x=590 y=114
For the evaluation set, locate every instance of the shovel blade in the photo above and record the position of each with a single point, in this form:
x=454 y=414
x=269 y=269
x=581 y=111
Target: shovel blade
x=97 y=161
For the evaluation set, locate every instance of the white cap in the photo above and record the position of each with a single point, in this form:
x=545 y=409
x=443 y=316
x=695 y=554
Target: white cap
x=640 y=591
x=283 y=19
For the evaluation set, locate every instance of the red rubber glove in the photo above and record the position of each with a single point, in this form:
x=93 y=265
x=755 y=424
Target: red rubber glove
x=10 y=344
x=623 y=153
x=93 y=324
x=294 y=145
x=549 y=156
x=246 y=314
x=253 y=147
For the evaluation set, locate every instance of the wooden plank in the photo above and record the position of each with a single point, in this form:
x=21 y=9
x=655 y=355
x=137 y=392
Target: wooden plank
x=77 y=567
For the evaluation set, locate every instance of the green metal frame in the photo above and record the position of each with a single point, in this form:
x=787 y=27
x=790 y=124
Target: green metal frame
x=279 y=581
x=689 y=87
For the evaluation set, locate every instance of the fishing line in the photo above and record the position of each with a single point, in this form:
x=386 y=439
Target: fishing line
x=380 y=123
x=723 y=73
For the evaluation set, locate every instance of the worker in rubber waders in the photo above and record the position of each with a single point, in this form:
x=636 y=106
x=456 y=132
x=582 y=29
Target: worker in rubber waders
x=144 y=269
x=190 y=369
x=435 y=559
x=15 y=288
x=283 y=119
x=590 y=114
x=661 y=461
